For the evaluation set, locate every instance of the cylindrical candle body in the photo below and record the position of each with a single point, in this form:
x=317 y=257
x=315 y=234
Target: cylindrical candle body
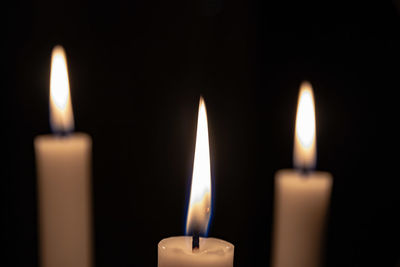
x=64 y=195
x=301 y=203
x=177 y=252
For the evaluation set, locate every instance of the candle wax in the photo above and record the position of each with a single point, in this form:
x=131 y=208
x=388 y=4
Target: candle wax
x=64 y=194
x=301 y=203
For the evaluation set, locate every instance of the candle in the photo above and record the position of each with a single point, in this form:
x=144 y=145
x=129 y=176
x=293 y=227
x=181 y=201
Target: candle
x=193 y=250
x=63 y=167
x=301 y=196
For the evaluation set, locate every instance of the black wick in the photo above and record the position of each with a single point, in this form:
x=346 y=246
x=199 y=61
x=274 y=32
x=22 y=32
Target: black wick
x=196 y=241
x=305 y=171
x=62 y=133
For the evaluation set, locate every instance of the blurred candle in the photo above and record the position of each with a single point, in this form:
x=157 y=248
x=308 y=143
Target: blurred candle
x=193 y=250
x=64 y=190
x=301 y=196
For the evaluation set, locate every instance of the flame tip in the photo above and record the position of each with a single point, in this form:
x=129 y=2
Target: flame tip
x=306 y=86
x=58 y=49
x=202 y=101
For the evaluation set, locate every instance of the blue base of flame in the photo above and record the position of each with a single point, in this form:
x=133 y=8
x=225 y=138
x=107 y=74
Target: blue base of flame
x=186 y=210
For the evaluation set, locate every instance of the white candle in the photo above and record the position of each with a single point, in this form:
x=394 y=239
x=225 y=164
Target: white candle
x=301 y=196
x=63 y=168
x=191 y=251
x=177 y=252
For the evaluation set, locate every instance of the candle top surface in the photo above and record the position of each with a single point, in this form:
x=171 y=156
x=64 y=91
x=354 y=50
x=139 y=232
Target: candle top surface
x=208 y=246
x=79 y=136
x=51 y=142
x=297 y=180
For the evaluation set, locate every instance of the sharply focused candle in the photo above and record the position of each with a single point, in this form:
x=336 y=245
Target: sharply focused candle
x=301 y=196
x=63 y=166
x=193 y=250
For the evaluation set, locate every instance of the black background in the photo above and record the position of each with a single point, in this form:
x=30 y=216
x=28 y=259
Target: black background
x=137 y=69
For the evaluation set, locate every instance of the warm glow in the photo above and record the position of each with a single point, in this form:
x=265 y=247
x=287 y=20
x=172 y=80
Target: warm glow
x=200 y=195
x=304 y=155
x=61 y=117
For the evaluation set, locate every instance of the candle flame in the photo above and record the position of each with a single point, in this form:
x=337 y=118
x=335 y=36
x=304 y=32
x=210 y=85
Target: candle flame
x=200 y=195
x=304 y=155
x=61 y=115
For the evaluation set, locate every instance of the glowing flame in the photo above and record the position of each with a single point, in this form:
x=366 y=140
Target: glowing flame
x=304 y=155
x=200 y=195
x=61 y=117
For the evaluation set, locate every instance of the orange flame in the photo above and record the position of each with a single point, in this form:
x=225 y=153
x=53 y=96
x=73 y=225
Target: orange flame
x=304 y=155
x=61 y=115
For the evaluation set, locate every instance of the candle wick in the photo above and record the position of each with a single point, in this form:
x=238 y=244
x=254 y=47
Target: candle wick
x=304 y=171
x=196 y=242
x=62 y=133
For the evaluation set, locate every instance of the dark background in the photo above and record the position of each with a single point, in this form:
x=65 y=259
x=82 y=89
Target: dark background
x=137 y=69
